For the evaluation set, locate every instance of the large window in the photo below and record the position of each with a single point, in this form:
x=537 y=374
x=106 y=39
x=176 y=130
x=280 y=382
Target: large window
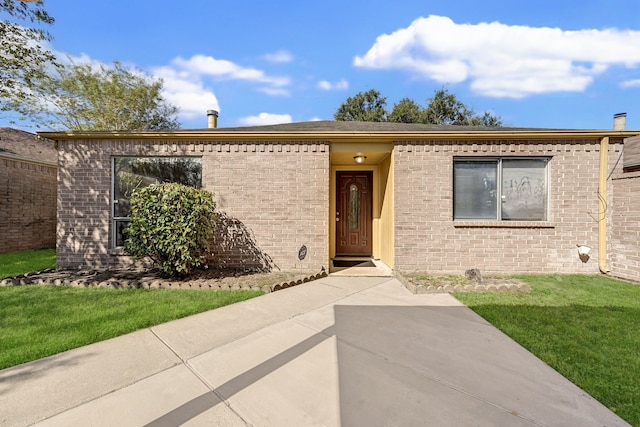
x=130 y=173
x=500 y=189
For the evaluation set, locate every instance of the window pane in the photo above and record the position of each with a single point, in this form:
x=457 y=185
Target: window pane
x=353 y=207
x=524 y=189
x=474 y=190
x=131 y=173
x=120 y=225
x=136 y=172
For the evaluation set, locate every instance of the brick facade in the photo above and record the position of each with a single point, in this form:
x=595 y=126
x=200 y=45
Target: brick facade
x=427 y=238
x=27 y=205
x=625 y=229
x=272 y=199
x=273 y=194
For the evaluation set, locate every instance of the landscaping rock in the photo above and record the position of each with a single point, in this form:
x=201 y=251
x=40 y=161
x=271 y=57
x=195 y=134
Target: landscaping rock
x=474 y=276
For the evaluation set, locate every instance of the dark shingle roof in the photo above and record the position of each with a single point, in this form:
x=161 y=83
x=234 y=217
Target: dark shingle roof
x=18 y=143
x=340 y=131
x=351 y=126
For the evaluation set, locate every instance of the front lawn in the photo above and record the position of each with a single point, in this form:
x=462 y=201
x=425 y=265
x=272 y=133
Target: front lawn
x=15 y=263
x=38 y=321
x=585 y=327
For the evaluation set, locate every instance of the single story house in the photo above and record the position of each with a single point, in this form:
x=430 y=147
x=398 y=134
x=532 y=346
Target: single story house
x=417 y=197
x=27 y=191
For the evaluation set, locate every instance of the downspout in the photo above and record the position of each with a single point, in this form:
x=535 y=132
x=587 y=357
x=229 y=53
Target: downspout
x=602 y=205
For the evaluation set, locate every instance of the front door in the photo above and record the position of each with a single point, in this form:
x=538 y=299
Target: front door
x=354 y=209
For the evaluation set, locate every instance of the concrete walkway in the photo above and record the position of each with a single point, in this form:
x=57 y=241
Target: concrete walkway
x=337 y=351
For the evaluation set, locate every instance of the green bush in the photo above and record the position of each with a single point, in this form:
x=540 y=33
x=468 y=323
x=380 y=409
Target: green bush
x=172 y=224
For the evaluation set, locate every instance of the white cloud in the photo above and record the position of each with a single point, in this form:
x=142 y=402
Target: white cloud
x=279 y=56
x=265 y=119
x=327 y=85
x=631 y=83
x=187 y=82
x=503 y=60
x=221 y=68
x=180 y=88
x=275 y=91
x=187 y=93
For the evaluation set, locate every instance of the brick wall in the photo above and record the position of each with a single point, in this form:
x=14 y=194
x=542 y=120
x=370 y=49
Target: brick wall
x=27 y=205
x=625 y=228
x=272 y=199
x=275 y=198
x=426 y=237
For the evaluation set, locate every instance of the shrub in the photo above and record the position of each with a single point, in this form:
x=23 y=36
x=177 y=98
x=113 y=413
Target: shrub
x=172 y=224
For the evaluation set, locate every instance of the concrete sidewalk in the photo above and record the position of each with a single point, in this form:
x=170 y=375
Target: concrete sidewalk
x=337 y=351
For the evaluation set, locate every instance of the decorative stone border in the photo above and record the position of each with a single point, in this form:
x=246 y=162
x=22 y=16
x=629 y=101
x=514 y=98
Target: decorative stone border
x=291 y=283
x=507 y=286
x=511 y=287
x=152 y=283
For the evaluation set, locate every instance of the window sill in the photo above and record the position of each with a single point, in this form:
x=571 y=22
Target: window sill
x=502 y=224
x=117 y=252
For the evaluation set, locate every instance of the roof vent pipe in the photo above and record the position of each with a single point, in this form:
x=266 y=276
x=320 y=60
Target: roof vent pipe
x=619 y=121
x=212 y=119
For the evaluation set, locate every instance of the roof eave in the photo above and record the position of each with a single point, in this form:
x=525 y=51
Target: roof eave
x=338 y=136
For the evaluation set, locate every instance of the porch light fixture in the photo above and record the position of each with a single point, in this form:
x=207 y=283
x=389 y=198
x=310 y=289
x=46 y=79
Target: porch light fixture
x=583 y=252
x=359 y=158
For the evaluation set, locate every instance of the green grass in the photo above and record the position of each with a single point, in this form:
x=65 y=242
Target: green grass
x=585 y=327
x=38 y=321
x=14 y=263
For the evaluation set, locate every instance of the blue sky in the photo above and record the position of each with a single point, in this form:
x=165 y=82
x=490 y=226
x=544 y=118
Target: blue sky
x=548 y=64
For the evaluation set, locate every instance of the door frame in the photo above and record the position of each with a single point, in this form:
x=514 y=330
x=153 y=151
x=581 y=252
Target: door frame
x=375 y=217
x=367 y=203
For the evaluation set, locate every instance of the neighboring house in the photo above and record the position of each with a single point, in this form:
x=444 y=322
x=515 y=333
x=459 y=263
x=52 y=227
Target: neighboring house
x=418 y=197
x=27 y=191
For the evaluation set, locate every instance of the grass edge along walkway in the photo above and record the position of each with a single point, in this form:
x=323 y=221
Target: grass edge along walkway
x=38 y=321
x=585 y=327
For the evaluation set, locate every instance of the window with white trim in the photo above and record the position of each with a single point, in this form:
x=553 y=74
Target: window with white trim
x=131 y=173
x=504 y=189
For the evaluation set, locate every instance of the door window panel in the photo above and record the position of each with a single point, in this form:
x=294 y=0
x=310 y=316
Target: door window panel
x=353 y=207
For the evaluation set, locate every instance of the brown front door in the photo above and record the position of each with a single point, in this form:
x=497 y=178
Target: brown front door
x=354 y=208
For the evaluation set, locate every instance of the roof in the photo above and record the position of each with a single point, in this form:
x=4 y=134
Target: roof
x=354 y=126
x=337 y=131
x=23 y=145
